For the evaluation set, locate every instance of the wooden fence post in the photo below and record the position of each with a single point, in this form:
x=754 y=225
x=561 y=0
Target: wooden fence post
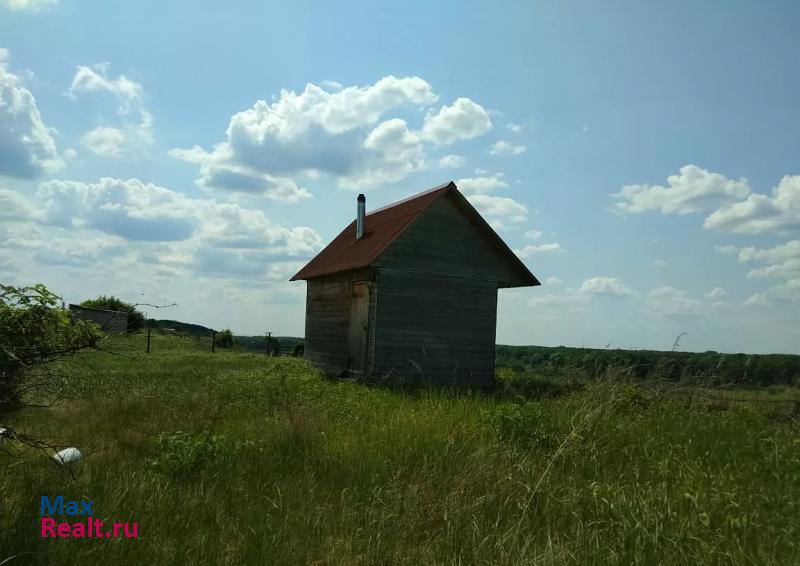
x=148 y=340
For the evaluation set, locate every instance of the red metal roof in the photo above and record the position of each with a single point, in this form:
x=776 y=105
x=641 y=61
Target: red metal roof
x=382 y=227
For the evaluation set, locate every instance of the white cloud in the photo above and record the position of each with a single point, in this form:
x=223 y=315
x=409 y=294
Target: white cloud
x=106 y=141
x=691 y=190
x=531 y=250
x=29 y=5
x=136 y=129
x=480 y=185
x=514 y=128
x=759 y=213
x=757 y=300
x=123 y=224
x=788 y=291
x=587 y=292
x=400 y=150
x=553 y=281
x=727 y=249
x=499 y=209
x=452 y=161
x=463 y=120
x=341 y=134
x=14 y=207
x=139 y=211
x=569 y=297
x=534 y=234
x=781 y=261
x=605 y=286
x=27 y=147
x=94 y=79
x=717 y=293
x=661 y=263
x=669 y=301
x=502 y=147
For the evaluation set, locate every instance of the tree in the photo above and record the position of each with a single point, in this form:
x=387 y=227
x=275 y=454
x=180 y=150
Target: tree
x=135 y=318
x=35 y=333
x=226 y=339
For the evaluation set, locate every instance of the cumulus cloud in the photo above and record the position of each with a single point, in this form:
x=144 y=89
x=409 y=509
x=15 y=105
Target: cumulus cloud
x=534 y=234
x=136 y=128
x=780 y=261
x=463 y=120
x=29 y=5
x=717 y=293
x=726 y=249
x=343 y=133
x=502 y=147
x=480 y=185
x=452 y=161
x=531 y=250
x=605 y=286
x=27 y=147
x=122 y=224
x=759 y=213
x=14 y=207
x=514 y=128
x=757 y=300
x=499 y=210
x=139 y=211
x=660 y=263
x=589 y=290
x=669 y=301
x=692 y=189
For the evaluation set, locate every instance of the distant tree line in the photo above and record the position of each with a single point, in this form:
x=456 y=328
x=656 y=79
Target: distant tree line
x=759 y=369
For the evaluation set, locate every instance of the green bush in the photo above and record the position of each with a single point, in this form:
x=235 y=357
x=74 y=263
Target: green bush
x=34 y=333
x=226 y=339
x=136 y=319
x=525 y=423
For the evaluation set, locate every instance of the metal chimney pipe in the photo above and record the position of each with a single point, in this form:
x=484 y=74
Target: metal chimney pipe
x=360 y=216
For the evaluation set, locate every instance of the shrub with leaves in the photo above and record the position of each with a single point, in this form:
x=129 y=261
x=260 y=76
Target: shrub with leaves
x=136 y=319
x=525 y=423
x=226 y=339
x=35 y=332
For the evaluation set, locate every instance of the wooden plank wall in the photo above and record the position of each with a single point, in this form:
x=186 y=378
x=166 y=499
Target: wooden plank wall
x=435 y=328
x=328 y=301
x=444 y=241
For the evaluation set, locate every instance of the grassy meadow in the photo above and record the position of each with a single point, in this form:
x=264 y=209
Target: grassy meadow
x=236 y=458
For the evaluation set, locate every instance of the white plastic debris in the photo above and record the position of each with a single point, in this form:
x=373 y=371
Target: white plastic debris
x=68 y=455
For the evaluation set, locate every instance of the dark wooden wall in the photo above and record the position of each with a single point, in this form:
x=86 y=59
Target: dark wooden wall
x=328 y=301
x=444 y=241
x=110 y=322
x=435 y=328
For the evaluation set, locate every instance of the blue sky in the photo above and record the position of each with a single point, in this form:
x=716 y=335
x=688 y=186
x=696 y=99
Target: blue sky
x=641 y=158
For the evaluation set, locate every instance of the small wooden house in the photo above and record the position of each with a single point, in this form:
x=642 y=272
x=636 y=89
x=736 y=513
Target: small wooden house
x=408 y=293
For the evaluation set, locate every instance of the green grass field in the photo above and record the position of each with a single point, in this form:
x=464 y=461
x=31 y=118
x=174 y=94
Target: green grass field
x=240 y=459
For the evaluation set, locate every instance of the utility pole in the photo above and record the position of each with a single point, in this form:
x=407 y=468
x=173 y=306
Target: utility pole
x=269 y=342
x=213 y=340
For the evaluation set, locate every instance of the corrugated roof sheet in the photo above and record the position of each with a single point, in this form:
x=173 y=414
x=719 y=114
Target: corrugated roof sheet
x=382 y=227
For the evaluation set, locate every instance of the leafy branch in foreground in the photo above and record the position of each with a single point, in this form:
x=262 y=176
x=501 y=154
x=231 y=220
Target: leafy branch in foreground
x=35 y=332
